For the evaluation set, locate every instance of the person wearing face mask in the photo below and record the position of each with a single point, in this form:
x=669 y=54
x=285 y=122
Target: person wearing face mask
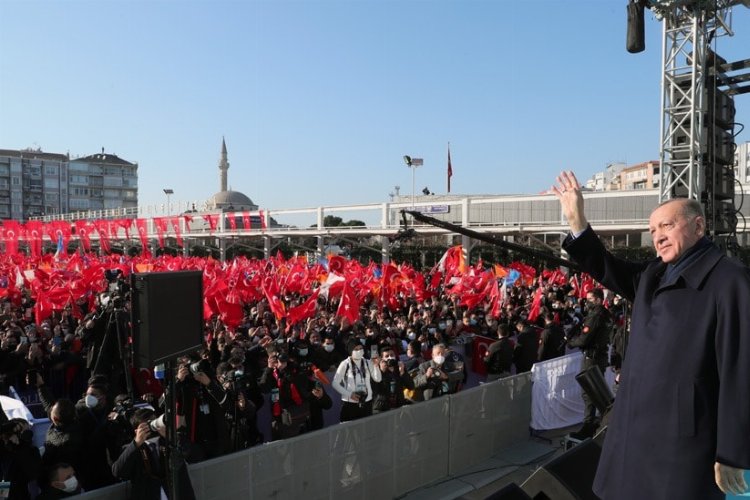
x=61 y=482
x=438 y=376
x=593 y=340
x=353 y=381
x=92 y=413
x=325 y=356
x=64 y=441
x=389 y=392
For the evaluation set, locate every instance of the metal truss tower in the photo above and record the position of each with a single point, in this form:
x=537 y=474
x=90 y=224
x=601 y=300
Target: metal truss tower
x=688 y=29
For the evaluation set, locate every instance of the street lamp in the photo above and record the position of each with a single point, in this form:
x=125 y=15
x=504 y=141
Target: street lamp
x=413 y=163
x=168 y=192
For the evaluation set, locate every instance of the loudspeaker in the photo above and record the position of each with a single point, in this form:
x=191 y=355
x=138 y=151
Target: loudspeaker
x=567 y=477
x=167 y=313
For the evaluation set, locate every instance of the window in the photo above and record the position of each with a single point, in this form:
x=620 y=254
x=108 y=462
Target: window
x=51 y=183
x=113 y=181
x=79 y=179
x=50 y=170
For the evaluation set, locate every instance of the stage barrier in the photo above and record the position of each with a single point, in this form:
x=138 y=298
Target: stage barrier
x=383 y=456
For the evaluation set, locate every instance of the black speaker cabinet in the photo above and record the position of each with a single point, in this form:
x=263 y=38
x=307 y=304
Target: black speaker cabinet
x=167 y=311
x=567 y=477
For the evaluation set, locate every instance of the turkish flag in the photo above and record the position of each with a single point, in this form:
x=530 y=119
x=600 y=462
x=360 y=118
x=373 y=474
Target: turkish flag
x=142 y=227
x=161 y=225
x=83 y=230
x=102 y=227
x=175 y=222
x=188 y=220
x=349 y=305
x=262 y=219
x=536 y=305
x=213 y=221
x=232 y=219
x=34 y=231
x=246 y=220
x=125 y=225
x=337 y=264
x=305 y=310
x=274 y=301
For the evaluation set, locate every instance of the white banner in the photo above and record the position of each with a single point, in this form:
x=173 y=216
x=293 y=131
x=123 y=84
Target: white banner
x=556 y=400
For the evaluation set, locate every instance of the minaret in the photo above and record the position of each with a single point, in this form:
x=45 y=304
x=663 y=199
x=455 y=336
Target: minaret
x=223 y=167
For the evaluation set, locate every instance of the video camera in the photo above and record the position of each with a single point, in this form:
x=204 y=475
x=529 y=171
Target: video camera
x=117 y=290
x=124 y=410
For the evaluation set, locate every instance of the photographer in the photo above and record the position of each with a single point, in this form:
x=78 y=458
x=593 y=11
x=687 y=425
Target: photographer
x=203 y=403
x=242 y=415
x=289 y=394
x=119 y=430
x=389 y=392
x=438 y=376
x=353 y=380
x=144 y=461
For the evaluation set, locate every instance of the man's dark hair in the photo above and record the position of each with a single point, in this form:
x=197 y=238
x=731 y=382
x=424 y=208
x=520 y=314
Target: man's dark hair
x=52 y=472
x=597 y=293
x=503 y=330
x=66 y=409
x=416 y=346
x=141 y=415
x=223 y=368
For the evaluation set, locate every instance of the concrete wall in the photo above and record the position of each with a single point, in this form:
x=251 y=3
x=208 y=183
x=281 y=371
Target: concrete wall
x=383 y=456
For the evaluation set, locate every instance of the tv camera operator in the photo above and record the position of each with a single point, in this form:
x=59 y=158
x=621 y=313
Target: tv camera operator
x=105 y=334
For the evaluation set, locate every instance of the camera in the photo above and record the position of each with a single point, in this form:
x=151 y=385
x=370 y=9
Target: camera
x=392 y=363
x=202 y=366
x=157 y=424
x=362 y=397
x=124 y=410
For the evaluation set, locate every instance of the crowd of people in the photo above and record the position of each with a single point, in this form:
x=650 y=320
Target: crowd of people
x=262 y=370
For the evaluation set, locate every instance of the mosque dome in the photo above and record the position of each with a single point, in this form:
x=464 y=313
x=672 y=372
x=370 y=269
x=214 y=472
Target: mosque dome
x=232 y=200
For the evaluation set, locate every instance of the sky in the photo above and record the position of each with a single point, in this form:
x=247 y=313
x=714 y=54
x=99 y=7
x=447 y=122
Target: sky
x=319 y=100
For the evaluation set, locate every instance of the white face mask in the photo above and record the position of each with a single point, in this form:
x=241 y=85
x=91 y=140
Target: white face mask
x=358 y=354
x=70 y=484
x=91 y=401
x=328 y=347
x=439 y=359
x=411 y=335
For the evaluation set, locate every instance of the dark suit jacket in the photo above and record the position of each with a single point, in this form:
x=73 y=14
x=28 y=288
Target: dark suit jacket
x=686 y=379
x=130 y=465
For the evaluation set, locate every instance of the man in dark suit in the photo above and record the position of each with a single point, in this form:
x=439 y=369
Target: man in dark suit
x=679 y=427
x=144 y=461
x=527 y=341
x=593 y=340
x=499 y=357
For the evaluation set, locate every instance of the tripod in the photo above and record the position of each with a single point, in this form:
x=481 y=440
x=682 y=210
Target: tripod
x=113 y=333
